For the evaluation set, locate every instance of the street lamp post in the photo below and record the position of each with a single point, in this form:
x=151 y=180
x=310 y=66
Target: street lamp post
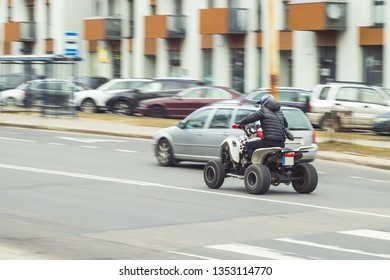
x=273 y=49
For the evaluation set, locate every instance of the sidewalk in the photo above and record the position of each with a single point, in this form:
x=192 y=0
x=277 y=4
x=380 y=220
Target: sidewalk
x=120 y=129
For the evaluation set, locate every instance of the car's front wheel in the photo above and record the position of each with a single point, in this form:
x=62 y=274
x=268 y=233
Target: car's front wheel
x=122 y=107
x=88 y=106
x=157 y=112
x=164 y=153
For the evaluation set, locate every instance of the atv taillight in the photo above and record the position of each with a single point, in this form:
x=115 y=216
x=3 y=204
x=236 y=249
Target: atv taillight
x=259 y=134
x=290 y=154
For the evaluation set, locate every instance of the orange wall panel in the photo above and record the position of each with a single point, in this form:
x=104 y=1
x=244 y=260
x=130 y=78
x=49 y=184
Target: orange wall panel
x=156 y=26
x=308 y=16
x=7 y=48
x=214 y=21
x=206 y=41
x=150 y=46
x=49 y=46
x=259 y=39
x=370 y=36
x=285 y=41
x=11 y=31
x=93 y=29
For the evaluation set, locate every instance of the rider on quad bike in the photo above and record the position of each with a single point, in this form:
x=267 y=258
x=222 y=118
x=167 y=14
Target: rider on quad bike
x=272 y=121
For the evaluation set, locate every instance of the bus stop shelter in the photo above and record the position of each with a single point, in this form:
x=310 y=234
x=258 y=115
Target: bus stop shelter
x=16 y=70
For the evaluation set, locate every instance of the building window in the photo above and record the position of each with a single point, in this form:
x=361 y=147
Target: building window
x=378 y=14
x=210 y=3
x=208 y=66
x=48 y=20
x=174 y=63
x=98 y=8
x=233 y=3
x=238 y=66
x=259 y=15
x=131 y=19
x=327 y=64
x=373 y=66
x=178 y=7
x=285 y=14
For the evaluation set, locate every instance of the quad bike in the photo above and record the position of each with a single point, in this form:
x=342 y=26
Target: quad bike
x=268 y=166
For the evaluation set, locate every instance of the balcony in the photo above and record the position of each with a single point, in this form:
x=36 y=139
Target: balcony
x=165 y=26
x=318 y=16
x=223 y=21
x=103 y=29
x=20 y=31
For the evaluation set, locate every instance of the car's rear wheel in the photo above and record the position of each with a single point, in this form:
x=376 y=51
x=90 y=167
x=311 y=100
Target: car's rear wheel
x=88 y=106
x=122 y=107
x=164 y=153
x=330 y=123
x=157 y=112
x=214 y=174
x=304 y=178
x=257 y=179
x=10 y=102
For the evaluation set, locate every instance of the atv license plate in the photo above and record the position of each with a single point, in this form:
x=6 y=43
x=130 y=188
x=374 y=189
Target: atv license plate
x=288 y=160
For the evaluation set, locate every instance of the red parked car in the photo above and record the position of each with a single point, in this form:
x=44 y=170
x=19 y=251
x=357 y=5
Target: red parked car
x=185 y=102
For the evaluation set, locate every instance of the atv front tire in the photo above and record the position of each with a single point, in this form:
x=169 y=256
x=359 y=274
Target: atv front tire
x=214 y=174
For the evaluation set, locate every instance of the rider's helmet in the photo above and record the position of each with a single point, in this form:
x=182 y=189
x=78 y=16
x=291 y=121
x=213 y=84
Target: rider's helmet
x=264 y=99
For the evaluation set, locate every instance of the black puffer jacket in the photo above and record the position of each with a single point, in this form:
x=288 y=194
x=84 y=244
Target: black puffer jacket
x=272 y=127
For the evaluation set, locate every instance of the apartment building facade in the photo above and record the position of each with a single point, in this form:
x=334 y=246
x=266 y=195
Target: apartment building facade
x=224 y=42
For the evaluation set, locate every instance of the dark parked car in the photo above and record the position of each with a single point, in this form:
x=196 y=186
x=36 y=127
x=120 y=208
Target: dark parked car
x=381 y=124
x=288 y=96
x=185 y=102
x=91 y=81
x=126 y=102
x=51 y=92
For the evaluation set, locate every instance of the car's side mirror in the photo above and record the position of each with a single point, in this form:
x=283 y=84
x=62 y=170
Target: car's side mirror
x=181 y=125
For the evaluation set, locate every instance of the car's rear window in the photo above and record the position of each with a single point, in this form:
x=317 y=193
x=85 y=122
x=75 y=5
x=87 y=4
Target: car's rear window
x=297 y=120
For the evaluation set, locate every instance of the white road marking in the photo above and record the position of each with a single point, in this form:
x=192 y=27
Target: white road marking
x=90 y=147
x=17 y=139
x=191 y=255
x=255 y=251
x=91 y=140
x=150 y=184
x=330 y=247
x=366 y=179
x=383 y=235
x=125 y=151
x=56 y=144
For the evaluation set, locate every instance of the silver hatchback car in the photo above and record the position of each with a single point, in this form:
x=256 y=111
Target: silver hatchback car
x=198 y=137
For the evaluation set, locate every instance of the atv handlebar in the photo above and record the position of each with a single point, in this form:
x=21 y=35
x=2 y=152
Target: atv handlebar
x=249 y=131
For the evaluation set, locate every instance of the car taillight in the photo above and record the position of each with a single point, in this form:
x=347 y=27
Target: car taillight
x=259 y=134
x=313 y=136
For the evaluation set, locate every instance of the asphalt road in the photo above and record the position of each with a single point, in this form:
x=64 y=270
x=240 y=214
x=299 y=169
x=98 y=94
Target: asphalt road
x=79 y=196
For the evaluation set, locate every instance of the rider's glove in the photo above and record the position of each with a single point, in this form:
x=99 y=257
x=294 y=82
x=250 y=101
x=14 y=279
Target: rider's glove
x=240 y=125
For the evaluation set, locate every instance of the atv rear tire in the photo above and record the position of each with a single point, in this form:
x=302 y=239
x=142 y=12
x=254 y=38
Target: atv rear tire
x=257 y=179
x=214 y=174
x=305 y=178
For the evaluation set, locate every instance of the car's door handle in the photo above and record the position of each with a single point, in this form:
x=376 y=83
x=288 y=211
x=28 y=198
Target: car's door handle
x=225 y=133
x=199 y=133
x=337 y=104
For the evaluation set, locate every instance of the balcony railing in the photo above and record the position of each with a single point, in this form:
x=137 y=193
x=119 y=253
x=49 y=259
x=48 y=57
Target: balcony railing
x=238 y=20
x=27 y=31
x=176 y=26
x=112 y=28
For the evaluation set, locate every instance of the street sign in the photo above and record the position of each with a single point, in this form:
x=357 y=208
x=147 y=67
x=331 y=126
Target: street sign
x=71 y=43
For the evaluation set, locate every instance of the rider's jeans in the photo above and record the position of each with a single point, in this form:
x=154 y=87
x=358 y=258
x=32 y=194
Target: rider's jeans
x=262 y=143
